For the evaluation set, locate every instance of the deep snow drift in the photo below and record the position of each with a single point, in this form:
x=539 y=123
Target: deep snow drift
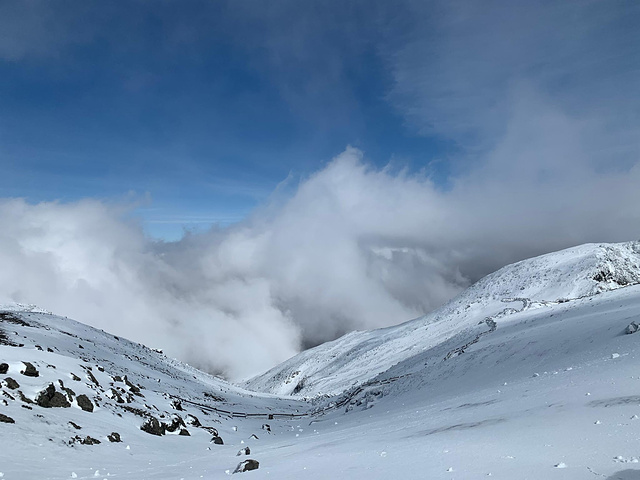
x=528 y=374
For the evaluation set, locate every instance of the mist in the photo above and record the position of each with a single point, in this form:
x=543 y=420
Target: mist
x=351 y=247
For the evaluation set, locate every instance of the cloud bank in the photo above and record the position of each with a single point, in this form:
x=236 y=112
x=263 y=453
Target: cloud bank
x=353 y=247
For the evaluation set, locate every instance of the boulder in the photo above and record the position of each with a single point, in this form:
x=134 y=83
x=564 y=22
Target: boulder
x=114 y=437
x=90 y=441
x=192 y=420
x=217 y=441
x=244 y=451
x=184 y=432
x=29 y=370
x=4 y=368
x=266 y=427
x=84 y=403
x=6 y=419
x=153 y=427
x=49 y=398
x=11 y=383
x=247 y=465
x=176 y=424
x=633 y=327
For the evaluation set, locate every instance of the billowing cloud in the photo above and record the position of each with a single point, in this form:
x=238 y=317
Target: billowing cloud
x=353 y=247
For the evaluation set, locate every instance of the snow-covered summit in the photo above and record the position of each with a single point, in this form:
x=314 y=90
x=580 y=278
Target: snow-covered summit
x=557 y=277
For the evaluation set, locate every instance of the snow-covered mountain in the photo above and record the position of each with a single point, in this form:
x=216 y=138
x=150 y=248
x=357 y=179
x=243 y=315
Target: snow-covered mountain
x=531 y=373
x=538 y=282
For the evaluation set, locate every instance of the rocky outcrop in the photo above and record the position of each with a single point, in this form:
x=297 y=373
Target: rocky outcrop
x=6 y=419
x=29 y=370
x=11 y=383
x=84 y=403
x=153 y=427
x=247 y=465
x=49 y=398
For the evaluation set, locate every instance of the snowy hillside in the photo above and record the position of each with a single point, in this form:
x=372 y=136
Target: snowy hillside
x=531 y=373
x=357 y=357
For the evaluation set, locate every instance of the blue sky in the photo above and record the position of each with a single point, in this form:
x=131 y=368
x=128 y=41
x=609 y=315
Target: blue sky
x=198 y=110
x=202 y=107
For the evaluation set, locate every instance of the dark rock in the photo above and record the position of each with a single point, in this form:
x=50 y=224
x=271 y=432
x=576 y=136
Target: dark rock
x=133 y=388
x=254 y=436
x=23 y=398
x=184 y=432
x=49 y=398
x=70 y=393
x=117 y=378
x=84 y=403
x=212 y=430
x=175 y=404
x=75 y=378
x=38 y=347
x=29 y=370
x=84 y=441
x=49 y=349
x=92 y=378
x=246 y=466
x=266 y=427
x=244 y=451
x=114 y=437
x=192 y=420
x=100 y=368
x=153 y=426
x=90 y=441
x=75 y=425
x=4 y=368
x=11 y=383
x=27 y=407
x=633 y=327
x=176 y=423
x=5 y=419
x=217 y=441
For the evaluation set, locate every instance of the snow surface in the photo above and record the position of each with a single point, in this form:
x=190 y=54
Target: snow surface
x=549 y=387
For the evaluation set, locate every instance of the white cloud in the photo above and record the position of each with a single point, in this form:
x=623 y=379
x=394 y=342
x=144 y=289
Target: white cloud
x=353 y=247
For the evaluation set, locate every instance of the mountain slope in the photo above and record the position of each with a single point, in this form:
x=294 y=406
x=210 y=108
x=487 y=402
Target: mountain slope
x=546 y=389
x=359 y=356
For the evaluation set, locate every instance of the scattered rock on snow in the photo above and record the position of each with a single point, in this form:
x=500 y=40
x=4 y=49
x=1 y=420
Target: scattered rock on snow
x=246 y=466
x=176 y=423
x=49 y=398
x=192 y=420
x=4 y=368
x=114 y=437
x=633 y=327
x=184 y=432
x=29 y=370
x=11 y=383
x=244 y=451
x=266 y=427
x=6 y=419
x=217 y=441
x=84 y=441
x=153 y=427
x=560 y=465
x=84 y=403
x=75 y=425
x=254 y=436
